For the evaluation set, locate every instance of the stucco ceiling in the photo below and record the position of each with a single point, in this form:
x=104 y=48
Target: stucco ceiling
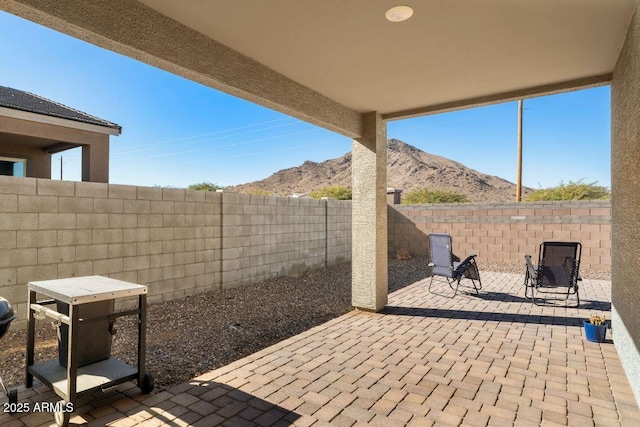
x=330 y=61
x=448 y=52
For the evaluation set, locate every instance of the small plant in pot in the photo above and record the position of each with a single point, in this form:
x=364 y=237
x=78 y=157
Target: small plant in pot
x=595 y=329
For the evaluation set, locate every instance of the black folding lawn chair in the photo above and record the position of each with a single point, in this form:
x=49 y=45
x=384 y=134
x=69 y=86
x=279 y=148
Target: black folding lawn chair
x=445 y=264
x=558 y=268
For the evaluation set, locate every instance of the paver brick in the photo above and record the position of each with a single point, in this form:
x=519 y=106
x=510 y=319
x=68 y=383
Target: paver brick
x=420 y=422
x=237 y=422
x=125 y=404
x=315 y=398
x=343 y=399
x=495 y=421
x=444 y=418
x=270 y=417
x=473 y=418
x=579 y=420
x=343 y=421
x=214 y=393
x=359 y=414
x=384 y=406
x=106 y=419
x=327 y=412
x=494 y=411
x=184 y=399
x=502 y=363
x=187 y=419
x=556 y=417
x=203 y=408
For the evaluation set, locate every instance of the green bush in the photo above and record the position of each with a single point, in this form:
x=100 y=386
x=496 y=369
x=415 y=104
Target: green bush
x=205 y=186
x=338 y=193
x=424 y=195
x=571 y=191
x=258 y=192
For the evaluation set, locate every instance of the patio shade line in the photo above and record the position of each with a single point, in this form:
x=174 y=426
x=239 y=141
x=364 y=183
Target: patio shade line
x=540 y=319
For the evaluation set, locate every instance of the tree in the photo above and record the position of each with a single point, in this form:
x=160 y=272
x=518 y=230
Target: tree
x=424 y=195
x=205 y=186
x=339 y=193
x=571 y=191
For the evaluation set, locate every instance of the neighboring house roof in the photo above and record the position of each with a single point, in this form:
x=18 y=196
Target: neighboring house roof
x=26 y=101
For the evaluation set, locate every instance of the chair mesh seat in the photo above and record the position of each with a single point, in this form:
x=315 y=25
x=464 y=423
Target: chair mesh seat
x=445 y=264
x=558 y=267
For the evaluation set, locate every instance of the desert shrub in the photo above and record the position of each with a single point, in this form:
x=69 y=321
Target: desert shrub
x=571 y=191
x=205 y=186
x=424 y=195
x=338 y=192
x=258 y=192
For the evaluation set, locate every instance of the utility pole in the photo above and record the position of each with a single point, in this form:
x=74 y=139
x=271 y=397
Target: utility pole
x=519 y=172
x=60 y=168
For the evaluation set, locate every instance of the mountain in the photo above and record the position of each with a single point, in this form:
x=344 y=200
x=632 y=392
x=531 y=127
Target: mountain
x=409 y=169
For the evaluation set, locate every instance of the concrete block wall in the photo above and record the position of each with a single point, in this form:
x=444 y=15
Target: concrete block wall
x=265 y=237
x=165 y=238
x=338 y=231
x=504 y=233
x=181 y=242
x=178 y=242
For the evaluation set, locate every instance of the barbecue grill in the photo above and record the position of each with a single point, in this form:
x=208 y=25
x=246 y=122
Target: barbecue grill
x=7 y=316
x=84 y=313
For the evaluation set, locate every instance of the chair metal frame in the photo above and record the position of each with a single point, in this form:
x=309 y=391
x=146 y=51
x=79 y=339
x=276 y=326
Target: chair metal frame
x=449 y=267
x=548 y=276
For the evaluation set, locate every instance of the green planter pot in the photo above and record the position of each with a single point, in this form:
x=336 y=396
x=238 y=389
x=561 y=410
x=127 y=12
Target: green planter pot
x=595 y=333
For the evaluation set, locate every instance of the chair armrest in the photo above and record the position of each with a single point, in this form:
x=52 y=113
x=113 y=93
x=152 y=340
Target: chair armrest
x=461 y=266
x=468 y=259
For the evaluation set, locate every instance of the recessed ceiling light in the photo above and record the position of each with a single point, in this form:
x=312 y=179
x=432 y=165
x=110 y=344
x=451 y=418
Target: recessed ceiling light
x=399 y=13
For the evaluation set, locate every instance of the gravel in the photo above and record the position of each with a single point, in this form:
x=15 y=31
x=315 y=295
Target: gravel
x=199 y=333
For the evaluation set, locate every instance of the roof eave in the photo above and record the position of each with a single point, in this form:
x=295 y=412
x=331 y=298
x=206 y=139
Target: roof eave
x=58 y=121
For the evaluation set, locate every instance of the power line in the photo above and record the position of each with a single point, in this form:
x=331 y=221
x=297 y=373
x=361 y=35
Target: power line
x=243 y=155
x=176 y=153
x=155 y=144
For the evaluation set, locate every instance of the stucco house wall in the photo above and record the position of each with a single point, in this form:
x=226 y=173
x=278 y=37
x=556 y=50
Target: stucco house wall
x=625 y=204
x=33 y=128
x=29 y=140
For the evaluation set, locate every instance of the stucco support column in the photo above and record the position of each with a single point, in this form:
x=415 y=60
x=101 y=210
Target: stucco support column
x=95 y=162
x=369 y=216
x=39 y=166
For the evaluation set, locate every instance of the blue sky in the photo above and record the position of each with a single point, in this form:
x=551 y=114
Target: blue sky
x=177 y=132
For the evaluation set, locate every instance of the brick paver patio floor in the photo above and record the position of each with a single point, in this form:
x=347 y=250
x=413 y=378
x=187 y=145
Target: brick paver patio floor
x=493 y=359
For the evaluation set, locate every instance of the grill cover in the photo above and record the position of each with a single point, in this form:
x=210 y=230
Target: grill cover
x=6 y=316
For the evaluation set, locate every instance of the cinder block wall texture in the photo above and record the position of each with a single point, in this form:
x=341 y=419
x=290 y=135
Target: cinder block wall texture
x=264 y=237
x=504 y=233
x=178 y=242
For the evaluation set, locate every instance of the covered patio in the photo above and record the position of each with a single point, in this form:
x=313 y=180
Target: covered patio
x=427 y=359
x=342 y=66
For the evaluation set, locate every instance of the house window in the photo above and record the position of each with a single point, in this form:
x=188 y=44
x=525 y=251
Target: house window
x=12 y=166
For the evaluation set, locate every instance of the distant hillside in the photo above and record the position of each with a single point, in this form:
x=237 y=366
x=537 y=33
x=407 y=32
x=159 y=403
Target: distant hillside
x=409 y=169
